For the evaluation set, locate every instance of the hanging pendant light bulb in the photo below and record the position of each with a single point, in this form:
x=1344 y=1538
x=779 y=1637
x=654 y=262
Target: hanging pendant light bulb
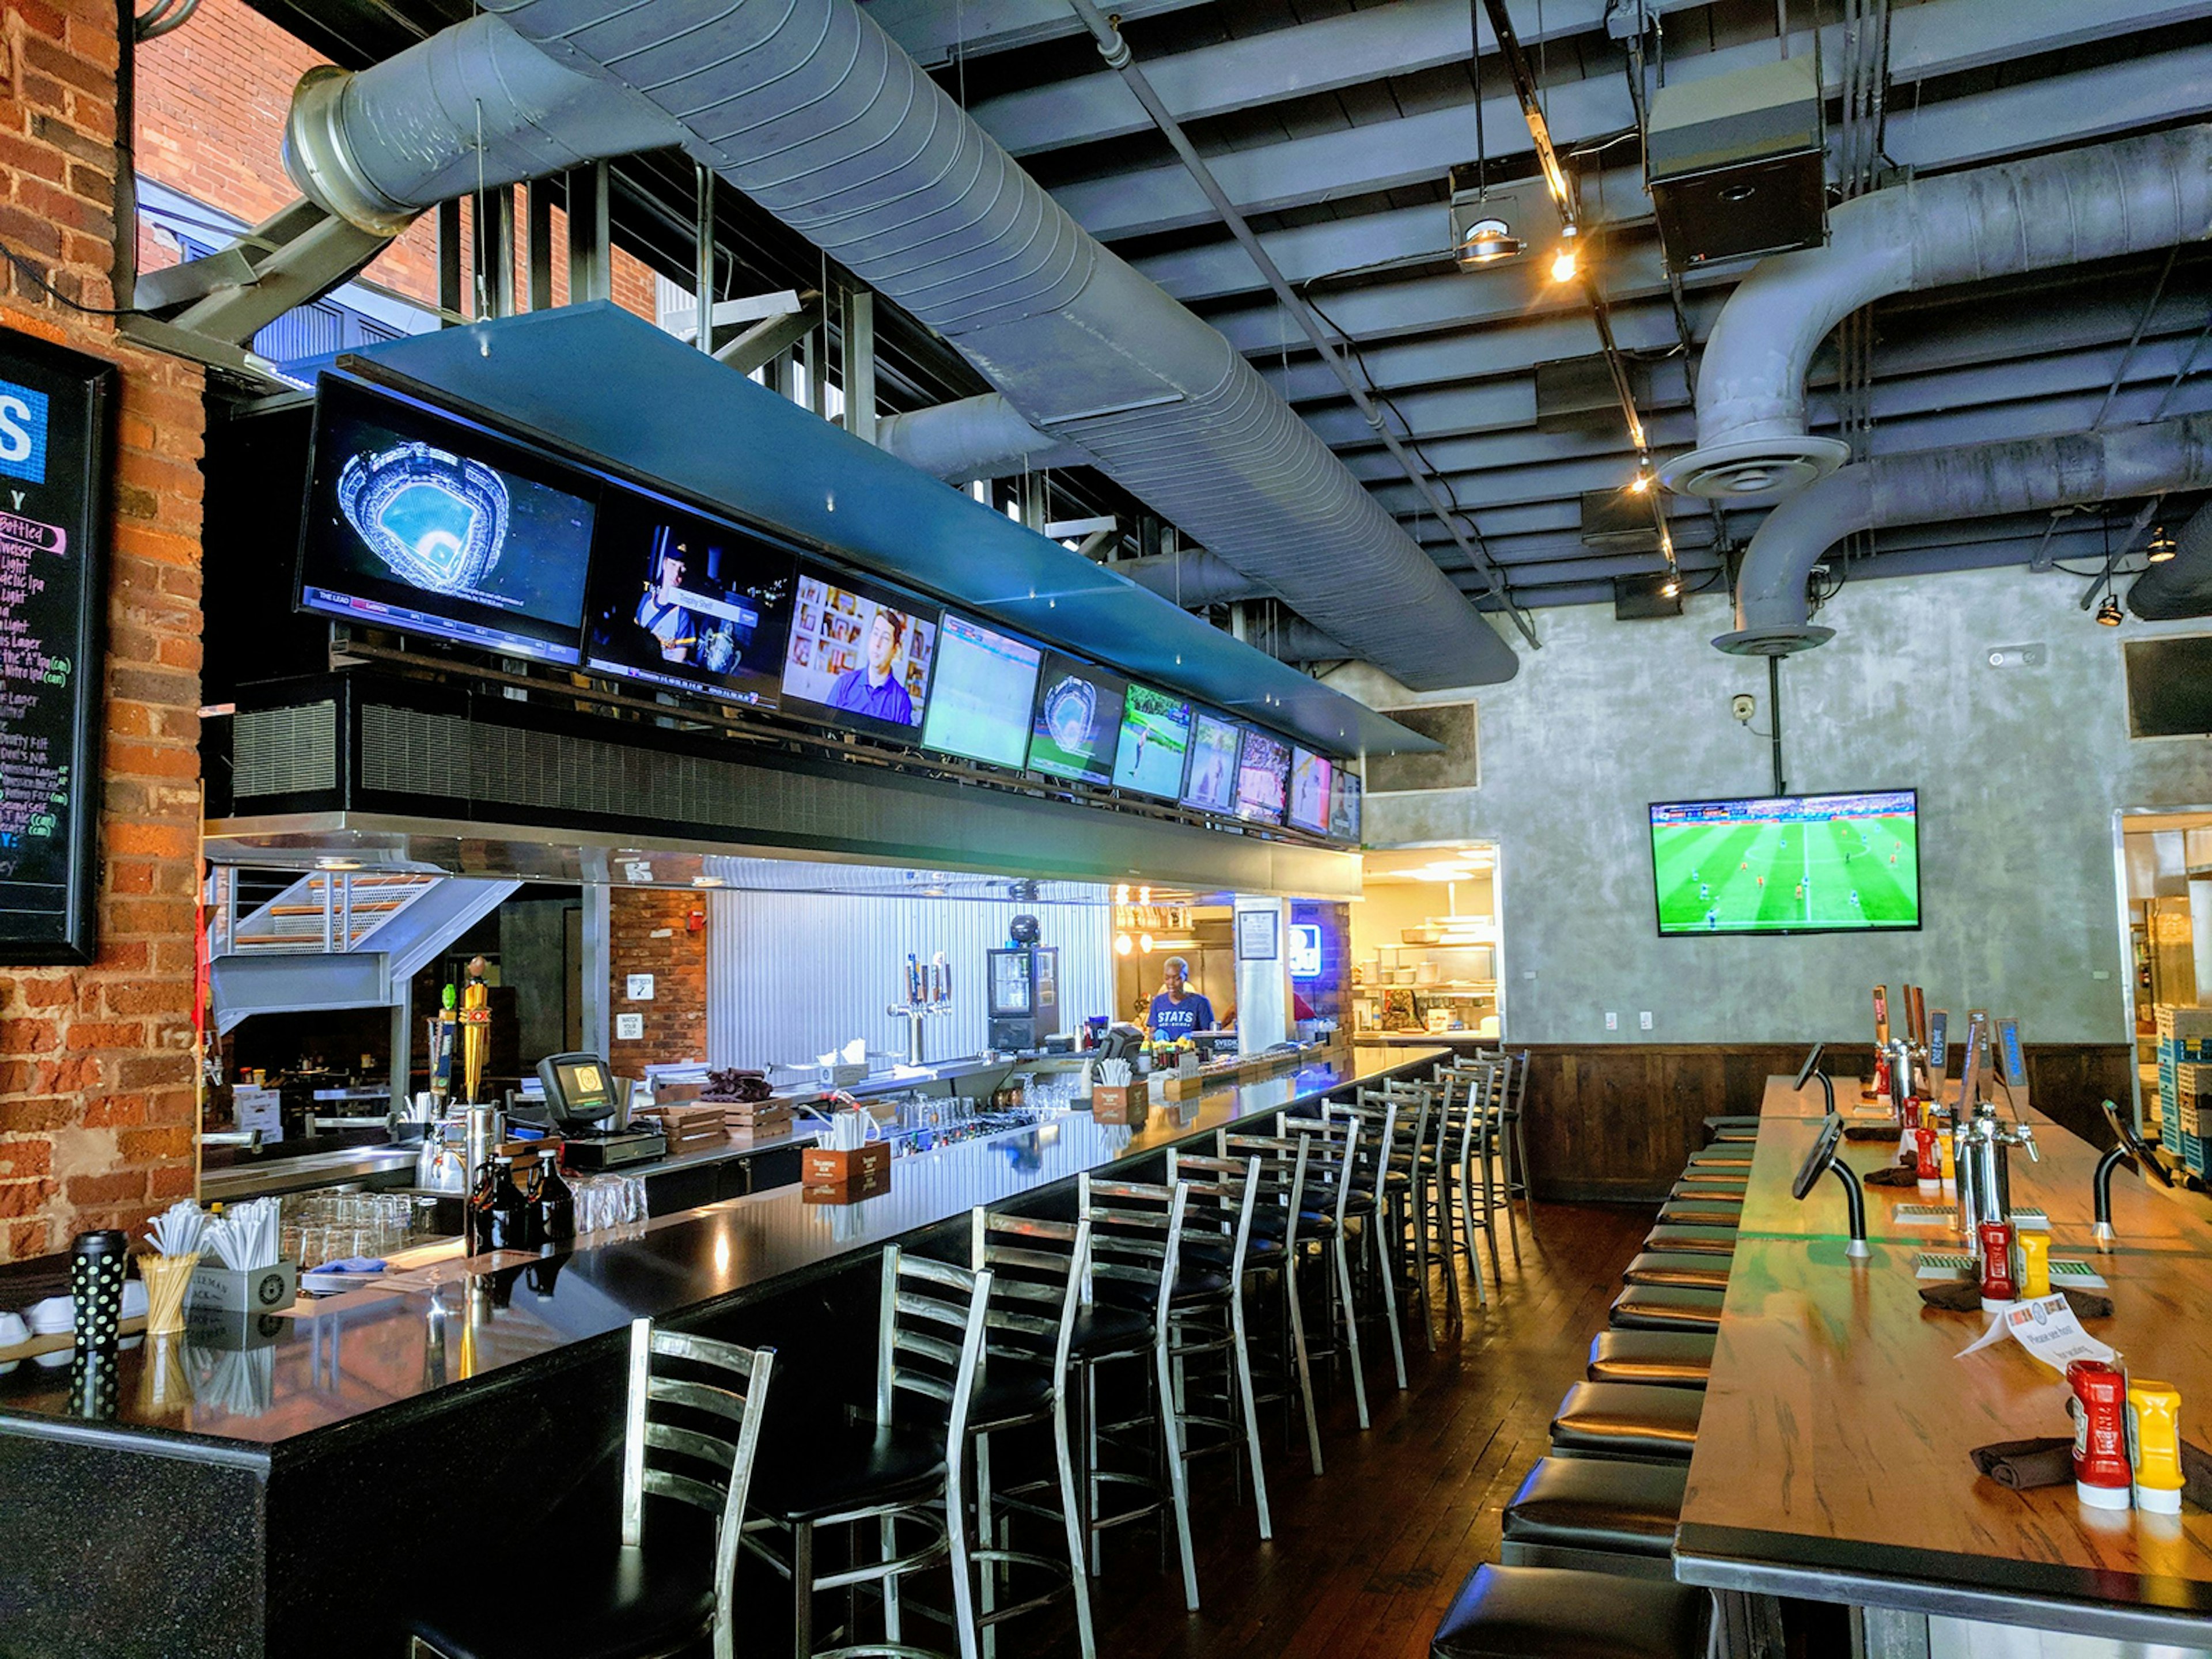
x=2108 y=613
x=2161 y=549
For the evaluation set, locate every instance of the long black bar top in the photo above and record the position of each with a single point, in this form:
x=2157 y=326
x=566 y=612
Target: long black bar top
x=335 y=1361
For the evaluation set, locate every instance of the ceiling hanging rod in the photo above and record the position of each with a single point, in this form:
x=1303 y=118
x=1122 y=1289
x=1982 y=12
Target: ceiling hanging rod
x=1106 y=32
x=1563 y=196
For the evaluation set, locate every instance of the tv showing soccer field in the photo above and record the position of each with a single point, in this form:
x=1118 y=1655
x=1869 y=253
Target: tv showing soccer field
x=1788 y=864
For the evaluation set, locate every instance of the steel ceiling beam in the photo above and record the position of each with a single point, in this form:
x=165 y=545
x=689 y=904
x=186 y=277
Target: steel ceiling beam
x=1386 y=154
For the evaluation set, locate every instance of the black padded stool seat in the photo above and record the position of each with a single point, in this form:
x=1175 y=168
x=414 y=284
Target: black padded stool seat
x=1702 y=1212
x=1628 y=1419
x=836 y=1467
x=1596 y=1515
x=1704 y=1175
x=1696 y=1241
x=1726 y=1155
x=1703 y=1273
x=1675 y=1359
x=1665 y=1308
x=1732 y=1121
x=1553 y=1612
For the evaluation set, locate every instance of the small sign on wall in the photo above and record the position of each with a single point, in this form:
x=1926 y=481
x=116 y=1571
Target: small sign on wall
x=640 y=987
x=1259 y=935
x=629 y=1028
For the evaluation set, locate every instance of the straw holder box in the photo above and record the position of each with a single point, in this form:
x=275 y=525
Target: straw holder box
x=1127 y=1104
x=829 y=1176
x=219 y=1288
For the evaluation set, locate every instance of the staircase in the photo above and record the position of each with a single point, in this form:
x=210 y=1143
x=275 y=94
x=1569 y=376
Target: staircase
x=332 y=938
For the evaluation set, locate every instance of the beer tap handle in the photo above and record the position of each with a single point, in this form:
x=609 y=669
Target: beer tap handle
x=2024 y=1136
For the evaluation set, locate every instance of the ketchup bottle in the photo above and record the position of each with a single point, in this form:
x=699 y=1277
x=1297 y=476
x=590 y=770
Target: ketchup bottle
x=1999 y=1287
x=1927 y=1167
x=2102 y=1477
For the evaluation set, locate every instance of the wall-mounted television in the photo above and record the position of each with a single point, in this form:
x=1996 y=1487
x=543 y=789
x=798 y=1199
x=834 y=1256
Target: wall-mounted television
x=1155 y=746
x=1312 y=778
x=1343 y=804
x=859 y=653
x=1077 y=727
x=1212 y=785
x=1788 y=863
x=680 y=600
x=979 y=706
x=426 y=525
x=1263 y=776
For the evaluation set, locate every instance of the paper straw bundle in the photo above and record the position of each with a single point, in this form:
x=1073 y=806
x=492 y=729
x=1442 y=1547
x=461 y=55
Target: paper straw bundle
x=1115 y=1073
x=245 y=1235
x=175 y=1234
x=847 y=1132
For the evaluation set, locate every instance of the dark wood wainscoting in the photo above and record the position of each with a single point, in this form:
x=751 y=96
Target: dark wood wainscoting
x=1616 y=1121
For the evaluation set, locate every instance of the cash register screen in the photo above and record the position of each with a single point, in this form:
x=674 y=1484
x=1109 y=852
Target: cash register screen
x=579 y=1088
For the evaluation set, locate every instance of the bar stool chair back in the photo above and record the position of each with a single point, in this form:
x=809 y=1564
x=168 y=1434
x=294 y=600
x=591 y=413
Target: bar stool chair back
x=1401 y=1113
x=1035 y=1265
x=1331 y=1182
x=691 y=1430
x=1468 y=1089
x=1279 y=1184
x=1136 y=1252
x=1217 y=1232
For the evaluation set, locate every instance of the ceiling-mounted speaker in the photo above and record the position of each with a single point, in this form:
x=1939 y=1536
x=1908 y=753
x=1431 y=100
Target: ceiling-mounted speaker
x=1639 y=599
x=1620 y=521
x=1737 y=164
x=1577 y=394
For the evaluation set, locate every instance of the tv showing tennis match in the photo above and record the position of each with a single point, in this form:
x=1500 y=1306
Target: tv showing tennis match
x=1788 y=864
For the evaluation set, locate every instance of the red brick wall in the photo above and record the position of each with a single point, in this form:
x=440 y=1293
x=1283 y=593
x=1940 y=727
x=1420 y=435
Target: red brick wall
x=212 y=99
x=651 y=934
x=96 y=1099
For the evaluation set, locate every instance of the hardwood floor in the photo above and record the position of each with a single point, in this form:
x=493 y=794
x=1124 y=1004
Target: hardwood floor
x=1366 y=1557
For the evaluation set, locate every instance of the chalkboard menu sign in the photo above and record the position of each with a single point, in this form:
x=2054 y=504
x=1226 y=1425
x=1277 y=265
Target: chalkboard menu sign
x=57 y=417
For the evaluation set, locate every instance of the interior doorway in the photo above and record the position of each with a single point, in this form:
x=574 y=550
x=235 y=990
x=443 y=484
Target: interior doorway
x=2165 y=870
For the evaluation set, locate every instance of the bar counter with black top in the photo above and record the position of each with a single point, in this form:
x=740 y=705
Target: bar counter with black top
x=274 y=1492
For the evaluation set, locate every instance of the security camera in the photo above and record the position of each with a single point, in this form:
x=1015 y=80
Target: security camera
x=1743 y=706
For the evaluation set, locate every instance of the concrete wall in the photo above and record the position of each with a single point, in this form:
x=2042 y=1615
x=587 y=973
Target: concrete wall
x=2020 y=771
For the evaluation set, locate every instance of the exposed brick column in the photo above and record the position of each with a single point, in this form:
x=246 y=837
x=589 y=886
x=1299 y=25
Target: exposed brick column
x=650 y=933
x=96 y=1098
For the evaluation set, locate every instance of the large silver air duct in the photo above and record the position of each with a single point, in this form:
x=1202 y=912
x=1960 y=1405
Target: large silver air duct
x=2050 y=211
x=2027 y=475
x=981 y=437
x=2182 y=587
x=816 y=113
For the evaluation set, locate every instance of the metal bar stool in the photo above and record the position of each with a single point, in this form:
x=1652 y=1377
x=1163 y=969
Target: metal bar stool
x=929 y=1345
x=1409 y=1181
x=689 y=1432
x=1377 y=1209
x=1217 y=1240
x=1136 y=1252
x=1332 y=1162
x=1463 y=1089
x=1279 y=1180
x=1036 y=1290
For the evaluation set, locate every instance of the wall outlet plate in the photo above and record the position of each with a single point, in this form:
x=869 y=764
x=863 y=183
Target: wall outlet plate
x=1611 y=1021
x=1644 y=1020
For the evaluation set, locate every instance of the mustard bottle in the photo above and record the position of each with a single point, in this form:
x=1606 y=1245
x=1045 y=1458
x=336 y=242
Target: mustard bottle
x=2034 y=1265
x=2155 y=1444
x=1950 y=1166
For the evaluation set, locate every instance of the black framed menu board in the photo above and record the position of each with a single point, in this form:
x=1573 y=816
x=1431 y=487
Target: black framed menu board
x=57 y=421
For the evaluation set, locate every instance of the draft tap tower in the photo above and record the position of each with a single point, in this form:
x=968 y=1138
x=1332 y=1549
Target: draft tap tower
x=928 y=996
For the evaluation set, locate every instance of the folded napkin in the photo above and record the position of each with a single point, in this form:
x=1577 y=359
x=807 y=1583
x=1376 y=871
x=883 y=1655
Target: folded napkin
x=1965 y=1295
x=2021 y=1464
x=1897 y=1175
x=2049 y=1461
x=1870 y=1132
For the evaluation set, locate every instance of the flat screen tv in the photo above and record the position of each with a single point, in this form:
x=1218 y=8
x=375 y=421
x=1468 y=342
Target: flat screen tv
x=1311 y=779
x=1155 y=745
x=979 y=707
x=426 y=525
x=1263 y=776
x=1077 y=727
x=860 y=654
x=1212 y=785
x=683 y=600
x=1344 y=805
x=1788 y=864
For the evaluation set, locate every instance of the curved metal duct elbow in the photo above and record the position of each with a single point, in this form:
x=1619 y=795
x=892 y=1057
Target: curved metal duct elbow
x=1193 y=580
x=2050 y=211
x=1293 y=641
x=819 y=116
x=2028 y=474
x=2182 y=587
x=473 y=106
x=981 y=437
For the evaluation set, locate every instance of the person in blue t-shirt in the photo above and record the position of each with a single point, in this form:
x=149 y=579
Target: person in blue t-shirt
x=1177 y=1011
x=874 y=688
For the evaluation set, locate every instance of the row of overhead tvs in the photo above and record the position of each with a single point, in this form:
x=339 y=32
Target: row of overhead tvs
x=424 y=524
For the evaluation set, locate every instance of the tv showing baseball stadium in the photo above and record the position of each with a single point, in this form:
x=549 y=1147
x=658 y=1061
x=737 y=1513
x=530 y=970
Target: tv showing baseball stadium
x=1079 y=719
x=1788 y=864
x=1155 y=743
x=428 y=525
x=683 y=600
x=859 y=653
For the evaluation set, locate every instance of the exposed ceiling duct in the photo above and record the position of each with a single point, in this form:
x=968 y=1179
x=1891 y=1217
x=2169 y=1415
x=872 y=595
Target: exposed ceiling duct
x=2028 y=474
x=2182 y=587
x=2059 y=209
x=981 y=437
x=814 y=112
x=1193 y=580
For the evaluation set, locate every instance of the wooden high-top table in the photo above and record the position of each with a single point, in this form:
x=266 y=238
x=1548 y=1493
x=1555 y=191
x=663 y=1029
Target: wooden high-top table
x=1832 y=1459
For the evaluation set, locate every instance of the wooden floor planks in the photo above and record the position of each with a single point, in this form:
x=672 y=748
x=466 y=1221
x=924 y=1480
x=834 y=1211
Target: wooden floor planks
x=1366 y=1557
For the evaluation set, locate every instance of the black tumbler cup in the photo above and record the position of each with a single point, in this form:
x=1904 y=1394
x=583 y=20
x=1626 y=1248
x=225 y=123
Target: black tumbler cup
x=98 y=1262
